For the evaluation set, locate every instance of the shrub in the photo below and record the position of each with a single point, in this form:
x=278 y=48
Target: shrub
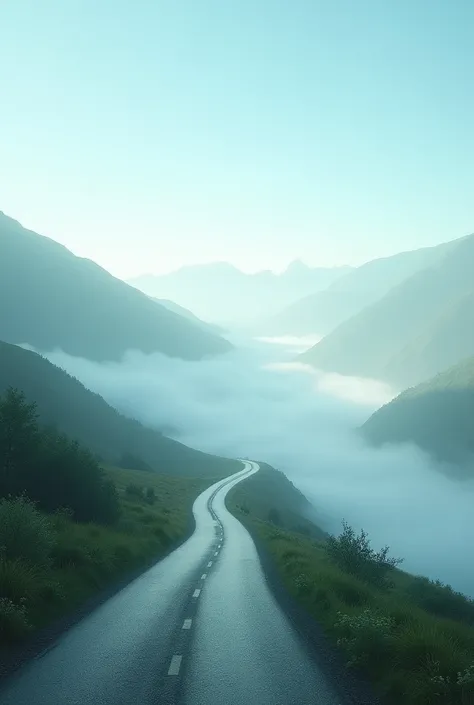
x=303 y=585
x=150 y=495
x=133 y=490
x=352 y=553
x=19 y=580
x=24 y=531
x=441 y=600
x=61 y=518
x=438 y=687
x=13 y=620
x=69 y=476
x=366 y=637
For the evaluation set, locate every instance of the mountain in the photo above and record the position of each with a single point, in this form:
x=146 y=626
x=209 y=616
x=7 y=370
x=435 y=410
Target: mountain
x=414 y=331
x=63 y=402
x=322 y=311
x=449 y=339
x=189 y=315
x=220 y=292
x=49 y=298
x=437 y=415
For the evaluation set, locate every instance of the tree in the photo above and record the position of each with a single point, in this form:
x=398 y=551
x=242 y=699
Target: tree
x=353 y=553
x=19 y=439
x=48 y=467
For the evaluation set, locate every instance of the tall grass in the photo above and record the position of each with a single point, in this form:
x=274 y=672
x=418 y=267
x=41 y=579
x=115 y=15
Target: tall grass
x=411 y=637
x=50 y=564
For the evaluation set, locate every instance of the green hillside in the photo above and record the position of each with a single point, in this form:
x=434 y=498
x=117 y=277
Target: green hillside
x=269 y=495
x=383 y=340
x=437 y=415
x=438 y=346
x=66 y=404
x=322 y=311
x=51 y=299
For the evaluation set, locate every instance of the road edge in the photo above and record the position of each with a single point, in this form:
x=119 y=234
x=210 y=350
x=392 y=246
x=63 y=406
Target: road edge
x=45 y=638
x=349 y=686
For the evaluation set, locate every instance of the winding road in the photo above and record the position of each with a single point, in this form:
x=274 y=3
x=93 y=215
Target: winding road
x=199 y=628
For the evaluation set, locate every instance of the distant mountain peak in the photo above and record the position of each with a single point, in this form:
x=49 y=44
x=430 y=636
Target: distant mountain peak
x=297 y=265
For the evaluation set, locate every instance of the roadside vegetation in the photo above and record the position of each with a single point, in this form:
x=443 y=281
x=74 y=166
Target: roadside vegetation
x=69 y=526
x=411 y=637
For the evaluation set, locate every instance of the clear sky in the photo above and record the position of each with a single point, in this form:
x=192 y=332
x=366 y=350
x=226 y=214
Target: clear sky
x=146 y=134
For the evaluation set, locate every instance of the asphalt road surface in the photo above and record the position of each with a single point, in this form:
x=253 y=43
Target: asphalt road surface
x=199 y=628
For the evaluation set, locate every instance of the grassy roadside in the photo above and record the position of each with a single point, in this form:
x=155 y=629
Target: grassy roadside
x=70 y=561
x=411 y=638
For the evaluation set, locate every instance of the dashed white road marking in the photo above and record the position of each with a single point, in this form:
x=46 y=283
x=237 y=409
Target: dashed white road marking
x=203 y=576
x=187 y=623
x=209 y=564
x=196 y=593
x=175 y=665
x=216 y=553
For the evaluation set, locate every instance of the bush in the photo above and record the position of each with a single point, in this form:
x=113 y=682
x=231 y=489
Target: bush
x=133 y=490
x=24 y=531
x=13 y=620
x=352 y=553
x=150 y=495
x=67 y=475
x=303 y=585
x=437 y=687
x=441 y=600
x=19 y=580
x=366 y=637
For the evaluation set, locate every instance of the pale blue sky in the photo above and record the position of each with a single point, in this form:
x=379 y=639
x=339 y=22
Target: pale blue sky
x=149 y=133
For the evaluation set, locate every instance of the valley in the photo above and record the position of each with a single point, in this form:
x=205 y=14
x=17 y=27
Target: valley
x=105 y=450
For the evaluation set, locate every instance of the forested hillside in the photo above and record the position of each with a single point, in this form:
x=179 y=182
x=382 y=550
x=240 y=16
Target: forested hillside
x=63 y=402
x=437 y=415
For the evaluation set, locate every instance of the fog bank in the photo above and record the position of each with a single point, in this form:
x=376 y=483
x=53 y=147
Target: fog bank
x=254 y=402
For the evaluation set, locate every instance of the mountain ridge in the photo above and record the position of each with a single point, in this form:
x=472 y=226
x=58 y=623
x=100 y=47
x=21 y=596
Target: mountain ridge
x=66 y=404
x=222 y=293
x=50 y=299
x=369 y=343
x=321 y=312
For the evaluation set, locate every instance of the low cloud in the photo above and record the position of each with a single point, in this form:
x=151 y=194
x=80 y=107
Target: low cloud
x=255 y=402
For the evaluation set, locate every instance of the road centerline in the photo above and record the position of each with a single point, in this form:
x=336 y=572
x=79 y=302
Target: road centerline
x=175 y=665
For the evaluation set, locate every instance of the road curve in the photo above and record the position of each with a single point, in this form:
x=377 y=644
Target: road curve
x=199 y=628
